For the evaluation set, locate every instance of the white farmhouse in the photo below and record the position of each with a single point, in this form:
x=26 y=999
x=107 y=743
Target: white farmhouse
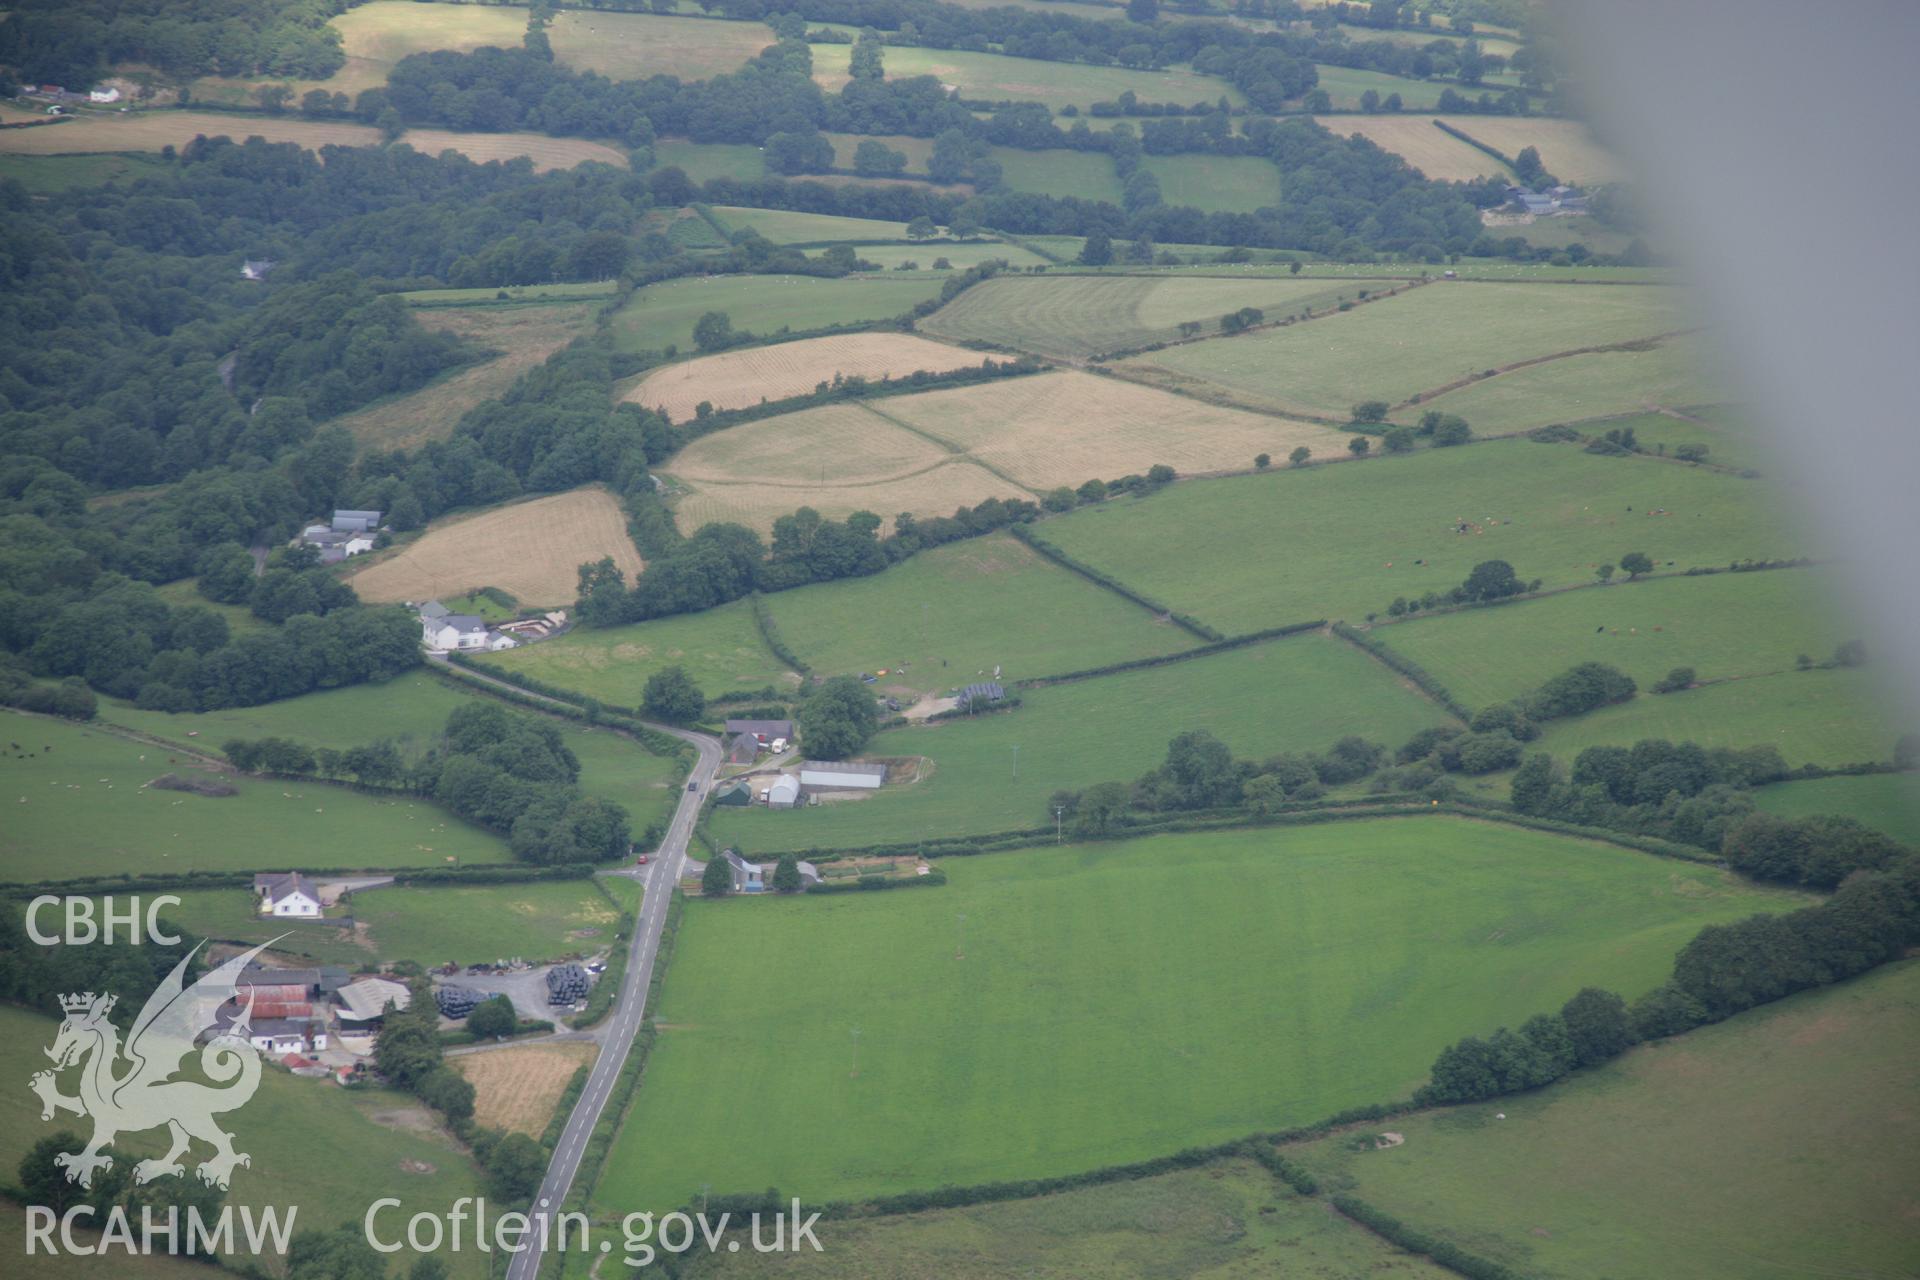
x=288 y=895
x=103 y=95
x=454 y=631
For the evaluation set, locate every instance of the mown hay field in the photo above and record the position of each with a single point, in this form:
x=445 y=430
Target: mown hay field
x=533 y=550
x=1417 y=343
x=517 y=1087
x=741 y=379
x=959 y=254
x=933 y=491
x=1116 y=1001
x=917 y=150
x=329 y=1151
x=1413 y=138
x=663 y=315
x=1250 y=552
x=957 y=613
x=720 y=648
x=1091 y=315
x=1599 y=384
x=1217 y=184
x=522 y=335
x=547 y=153
x=997 y=772
x=1069 y=427
x=1819 y=717
x=839 y=444
x=1672 y=1160
x=1888 y=802
x=634 y=46
x=994 y=77
x=1567 y=147
x=78 y=804
x=1225 y=1220
x=1724 y=626
x=50 y=175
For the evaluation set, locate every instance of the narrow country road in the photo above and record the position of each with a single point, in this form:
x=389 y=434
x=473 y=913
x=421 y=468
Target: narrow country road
x=623 y=1022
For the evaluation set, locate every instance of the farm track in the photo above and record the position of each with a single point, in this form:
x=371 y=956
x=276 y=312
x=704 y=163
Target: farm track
x=956 y=450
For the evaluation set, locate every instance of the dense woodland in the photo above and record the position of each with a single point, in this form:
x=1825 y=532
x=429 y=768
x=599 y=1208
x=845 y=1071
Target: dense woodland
x=74 y=42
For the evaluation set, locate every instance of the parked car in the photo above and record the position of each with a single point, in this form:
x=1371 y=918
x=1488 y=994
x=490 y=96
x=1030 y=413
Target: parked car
x=693 y=786
x=642 y=860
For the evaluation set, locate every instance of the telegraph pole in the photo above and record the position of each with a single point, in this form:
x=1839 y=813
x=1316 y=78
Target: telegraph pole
x=1016 y=762
x=1058 y=813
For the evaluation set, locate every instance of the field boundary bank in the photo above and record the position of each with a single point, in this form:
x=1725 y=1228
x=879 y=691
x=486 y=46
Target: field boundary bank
x=1627 y=346
x=1024 y=532
x=1313 y=813
x=1265 y=326
x=1413 y=673
x=1168 y=659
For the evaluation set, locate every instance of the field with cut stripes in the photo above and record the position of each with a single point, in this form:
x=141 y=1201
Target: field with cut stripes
x=740 y=379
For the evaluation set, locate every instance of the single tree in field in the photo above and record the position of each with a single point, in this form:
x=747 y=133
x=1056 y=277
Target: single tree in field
x=1262 y=461
x=1098 y=250
x=1491 y=580
x=922 y=228
x=1359 y=446
x=837 y=719
x=713 y=331
x=1636 y=563
x=493 y=1017
x=671 y=695
x=1300 y=455
x=1371 y=411
x=717 y=880
x=1605 y=573
x=786 y=874
x=1399 y=439
x=1293 y=268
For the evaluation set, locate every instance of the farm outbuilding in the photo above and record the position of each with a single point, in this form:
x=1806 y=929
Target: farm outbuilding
x=742 y=748
x=735 y=796
x=976 y=696
x=784 y=793
x=748 y=877
x=765 y=732
x=841 y=775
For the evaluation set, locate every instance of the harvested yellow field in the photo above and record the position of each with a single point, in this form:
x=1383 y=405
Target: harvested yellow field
x=633 y=46
x=546 y=153
x=740 y=379
x=532 y=549
x=1567 y=147
x=1413 y=138
x=936 y=491
x=515 y=1089
x=152 y=130
x=1070 y=427
x=836 y=444
x=523 y=336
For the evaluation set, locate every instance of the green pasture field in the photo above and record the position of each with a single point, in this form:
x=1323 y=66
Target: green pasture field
x=955 y=613
x=185 y=592
x=1061 y=172
x=1554 y=512
x=1089 y=315
x=83 y=808
x=1559 y=232
x=1778 y=1143
x=1217 y=184
x=664 y=314
x=1888 y=802
x=1597 y=385
x=1403 y=35
x=917 y=150
x=720 y=648
x=1729 y=624
x=410 y=711
x=1814 y=717
x=959 y=255
x=997 y=772
x=330 y=1151
x=1229 y=1219
x=56 y=175
x=1345 y=85
x=785 y=226
x=994 y=77
x=1414 y=344
x=634 y=46
x=516 y=293
x=431 y=924
x=1728 y=432
x=1115 y=1001
x=41 y=1265
x=702 y=161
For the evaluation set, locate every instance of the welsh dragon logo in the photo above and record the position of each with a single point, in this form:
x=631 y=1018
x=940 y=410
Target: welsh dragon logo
x=133 y=1087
